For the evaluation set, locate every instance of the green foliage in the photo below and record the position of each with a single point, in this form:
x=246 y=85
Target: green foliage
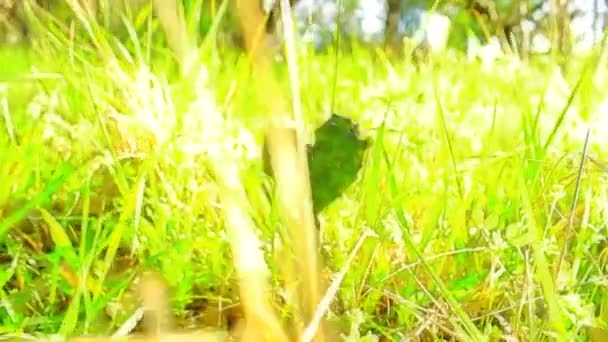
x=467 y=181
x=334 y=160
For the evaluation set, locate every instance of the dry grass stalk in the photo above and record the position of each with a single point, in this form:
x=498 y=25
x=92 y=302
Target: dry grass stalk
x=260 y=323
x=173 y=21
x=289 y=164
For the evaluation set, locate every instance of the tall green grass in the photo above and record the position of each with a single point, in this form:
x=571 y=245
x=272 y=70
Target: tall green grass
x=468 y=187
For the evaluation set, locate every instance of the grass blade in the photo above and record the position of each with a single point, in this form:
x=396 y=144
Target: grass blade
x=41 y=199
x=562 y=115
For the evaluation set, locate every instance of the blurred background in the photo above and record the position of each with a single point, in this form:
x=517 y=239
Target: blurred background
x=523 y=27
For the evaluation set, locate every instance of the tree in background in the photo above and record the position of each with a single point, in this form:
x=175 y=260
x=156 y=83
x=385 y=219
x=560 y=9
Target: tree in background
x=521 y=26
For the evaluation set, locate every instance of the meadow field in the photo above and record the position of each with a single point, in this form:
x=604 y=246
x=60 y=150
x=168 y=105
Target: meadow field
x=480 y=212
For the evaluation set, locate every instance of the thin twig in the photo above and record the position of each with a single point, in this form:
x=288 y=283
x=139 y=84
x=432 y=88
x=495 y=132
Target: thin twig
x=313 y=326
x=129 y=325
x=573 y=206
x=434 y=257
x=336 y=57
x=505 y=309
